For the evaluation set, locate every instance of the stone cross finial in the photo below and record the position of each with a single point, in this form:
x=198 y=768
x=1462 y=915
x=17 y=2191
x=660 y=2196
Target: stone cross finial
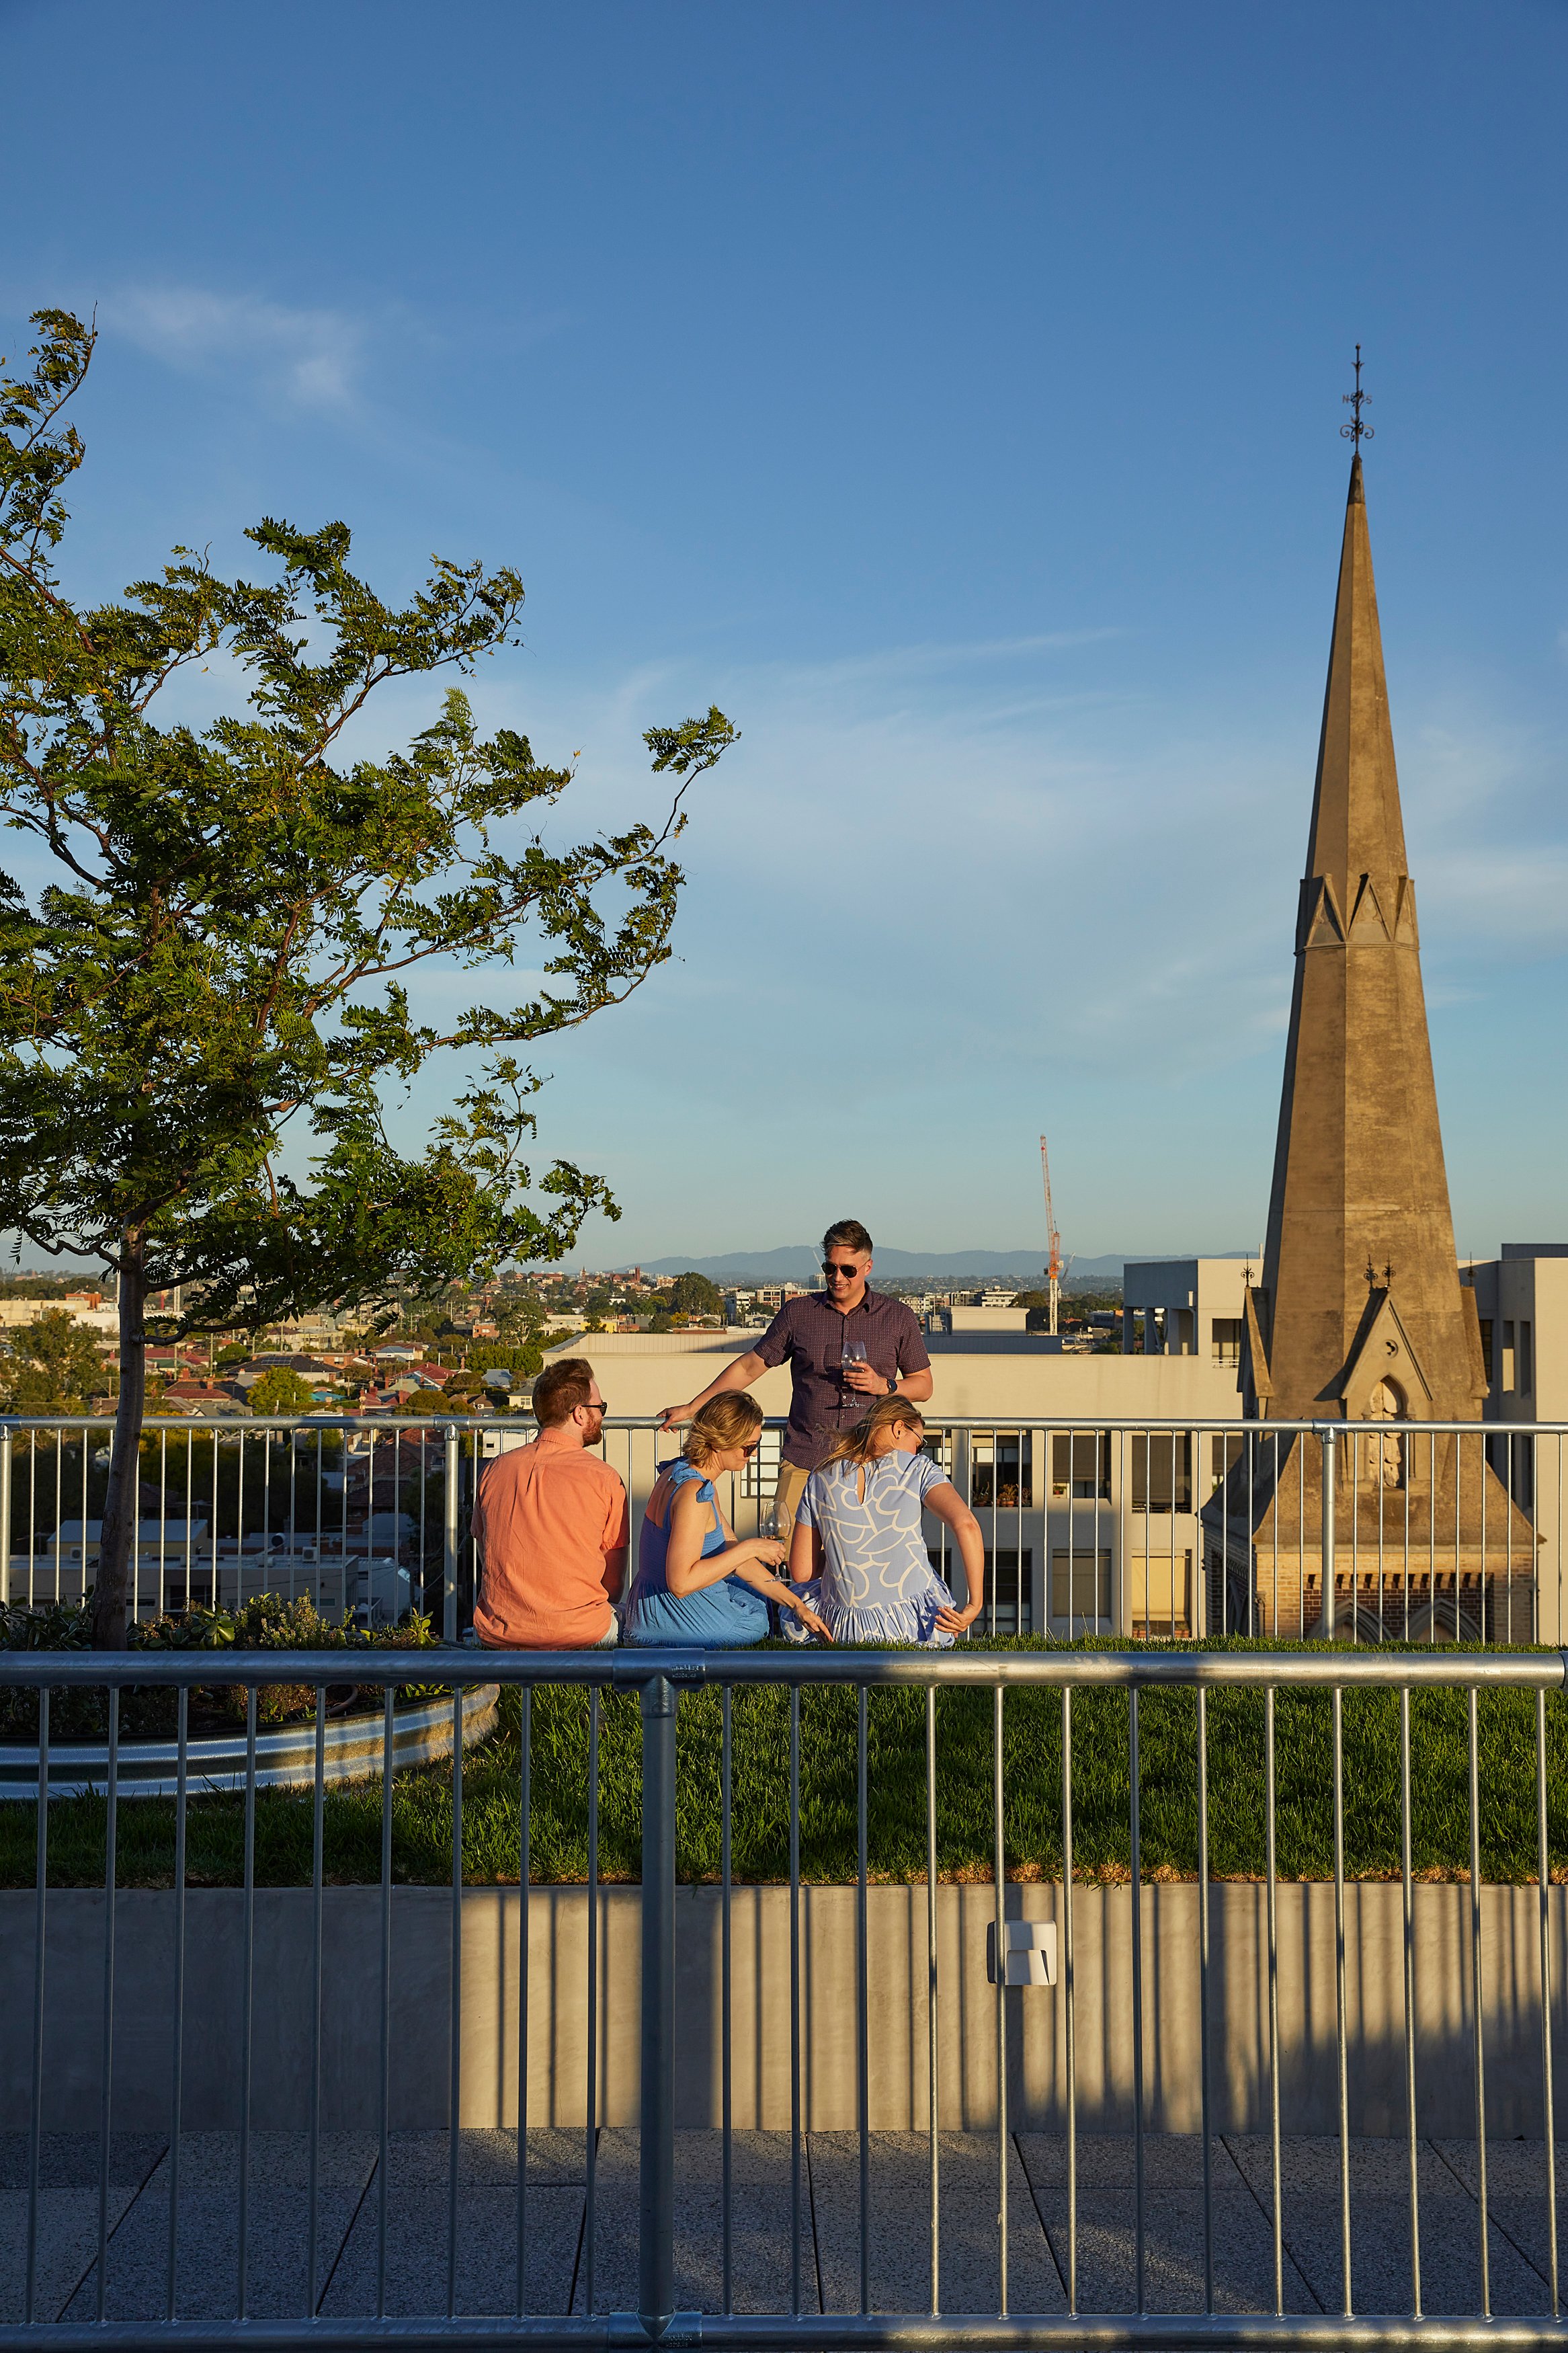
x=1355 y=432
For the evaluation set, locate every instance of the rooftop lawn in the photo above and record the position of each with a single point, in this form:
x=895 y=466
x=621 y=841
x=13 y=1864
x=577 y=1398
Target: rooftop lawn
x=966 y=1835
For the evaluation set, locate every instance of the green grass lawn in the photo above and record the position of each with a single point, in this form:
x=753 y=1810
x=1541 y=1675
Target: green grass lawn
x=422 y=1847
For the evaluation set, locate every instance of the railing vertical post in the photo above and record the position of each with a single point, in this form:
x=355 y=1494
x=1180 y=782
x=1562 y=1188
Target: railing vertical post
x=1328 y=1433
x=656 y=2214
x=6 y=1510
x=449 y=1563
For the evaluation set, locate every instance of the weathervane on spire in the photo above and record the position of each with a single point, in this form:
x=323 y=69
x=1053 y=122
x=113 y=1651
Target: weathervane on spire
x=1356 y=432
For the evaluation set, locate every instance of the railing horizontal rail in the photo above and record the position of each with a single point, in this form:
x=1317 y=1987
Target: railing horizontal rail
x=876 y=2332
x=1071 y=1417
x=1325 y=1669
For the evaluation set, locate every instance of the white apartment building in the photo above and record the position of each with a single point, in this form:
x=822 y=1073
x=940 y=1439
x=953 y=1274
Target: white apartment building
x=1184 y=1307
x=17 y=1312
x=1521 y=1303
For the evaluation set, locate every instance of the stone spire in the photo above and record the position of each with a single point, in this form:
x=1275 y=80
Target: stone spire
x=1361 y=1318
x=1360 y=1282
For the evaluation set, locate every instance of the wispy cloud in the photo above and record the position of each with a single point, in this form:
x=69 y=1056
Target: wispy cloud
x=904 y=662
x=310 y=358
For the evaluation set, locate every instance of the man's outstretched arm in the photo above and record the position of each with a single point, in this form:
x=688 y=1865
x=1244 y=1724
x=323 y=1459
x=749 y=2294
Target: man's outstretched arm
x=737 y=1376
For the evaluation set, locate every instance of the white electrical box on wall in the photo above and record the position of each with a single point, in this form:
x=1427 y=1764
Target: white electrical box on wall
x=1028 y=1952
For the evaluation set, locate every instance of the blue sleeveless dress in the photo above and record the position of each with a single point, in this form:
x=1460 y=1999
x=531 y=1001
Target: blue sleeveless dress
x=721 y=1616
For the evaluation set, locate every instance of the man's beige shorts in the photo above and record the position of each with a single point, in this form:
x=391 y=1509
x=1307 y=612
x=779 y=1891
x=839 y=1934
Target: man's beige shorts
x=787 y=1495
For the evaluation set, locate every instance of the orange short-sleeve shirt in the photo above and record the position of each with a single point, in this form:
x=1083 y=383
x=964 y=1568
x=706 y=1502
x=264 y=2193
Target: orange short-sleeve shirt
x=544 y=1519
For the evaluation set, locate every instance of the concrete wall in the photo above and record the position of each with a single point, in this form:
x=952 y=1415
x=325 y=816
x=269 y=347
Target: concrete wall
x=421 y=2009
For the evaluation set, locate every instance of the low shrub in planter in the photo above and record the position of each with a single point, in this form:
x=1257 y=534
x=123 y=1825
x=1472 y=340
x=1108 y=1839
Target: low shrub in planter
x=267 y=1623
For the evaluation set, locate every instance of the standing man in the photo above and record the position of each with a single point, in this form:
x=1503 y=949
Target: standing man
x=549 y=1525
x=828 y=1393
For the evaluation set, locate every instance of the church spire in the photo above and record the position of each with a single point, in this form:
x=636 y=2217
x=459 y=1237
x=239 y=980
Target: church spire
x=1358 y=1179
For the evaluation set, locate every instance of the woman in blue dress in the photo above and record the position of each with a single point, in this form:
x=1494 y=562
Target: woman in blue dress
x=858 y=1552
x=697 y=1584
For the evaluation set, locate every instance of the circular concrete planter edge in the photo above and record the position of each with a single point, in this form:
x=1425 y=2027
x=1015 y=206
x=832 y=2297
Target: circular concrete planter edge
x=285 y=1757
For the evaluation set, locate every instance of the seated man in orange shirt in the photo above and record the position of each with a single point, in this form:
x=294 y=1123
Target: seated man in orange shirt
x=551 y=1526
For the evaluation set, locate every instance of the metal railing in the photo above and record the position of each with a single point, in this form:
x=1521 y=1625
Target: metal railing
x=660 y=1680
x=1173 y=1530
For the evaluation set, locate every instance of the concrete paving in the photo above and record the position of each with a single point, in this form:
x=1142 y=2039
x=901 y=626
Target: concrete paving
x=351 y=2195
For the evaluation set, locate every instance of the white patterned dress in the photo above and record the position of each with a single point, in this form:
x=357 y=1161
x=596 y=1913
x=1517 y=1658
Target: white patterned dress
x=877 y=1584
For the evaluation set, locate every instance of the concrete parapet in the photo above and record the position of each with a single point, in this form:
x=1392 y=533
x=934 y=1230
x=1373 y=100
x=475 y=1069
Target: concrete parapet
x=557 y=2005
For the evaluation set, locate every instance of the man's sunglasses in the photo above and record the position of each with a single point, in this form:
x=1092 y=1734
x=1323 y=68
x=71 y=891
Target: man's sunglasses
x=597 y=1405
x=848 y=1272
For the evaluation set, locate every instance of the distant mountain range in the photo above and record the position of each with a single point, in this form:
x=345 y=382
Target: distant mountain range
x=798 y=1263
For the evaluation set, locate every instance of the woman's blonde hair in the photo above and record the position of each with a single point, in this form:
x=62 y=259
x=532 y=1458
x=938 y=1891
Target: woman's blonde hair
x=888 y=1413
x=731 y=1420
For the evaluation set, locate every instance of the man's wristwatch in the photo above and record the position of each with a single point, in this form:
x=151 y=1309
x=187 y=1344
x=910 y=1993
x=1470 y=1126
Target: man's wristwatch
x=893 y=1386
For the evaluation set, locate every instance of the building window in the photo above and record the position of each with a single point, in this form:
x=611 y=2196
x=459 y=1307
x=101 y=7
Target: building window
x=1386 y=1464
x=762 y=1471
x=1225 y=1454
x=1159 y=1593
x=1000 y=1471
x=1526 y=1367
x=1521 y=1467
x=1508 y=1381
x=1080 y=1590
x=938 y=1445
x=1161 y=1471
x=1225 y=1339
x=1080 y=1465
x=1486 y=1325
x=1009 y=1588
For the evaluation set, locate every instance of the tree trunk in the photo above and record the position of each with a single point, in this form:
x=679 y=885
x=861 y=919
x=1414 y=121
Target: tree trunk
x=122 y=1504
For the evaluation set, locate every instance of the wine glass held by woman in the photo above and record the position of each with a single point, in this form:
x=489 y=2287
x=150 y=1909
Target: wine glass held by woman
x=859 y=1548
x=697 y=1585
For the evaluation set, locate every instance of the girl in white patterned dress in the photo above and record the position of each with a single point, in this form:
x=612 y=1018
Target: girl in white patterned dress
x=859 y=1549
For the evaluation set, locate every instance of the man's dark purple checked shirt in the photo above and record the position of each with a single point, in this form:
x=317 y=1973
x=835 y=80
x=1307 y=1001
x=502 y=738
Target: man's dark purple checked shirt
x=812 y=1334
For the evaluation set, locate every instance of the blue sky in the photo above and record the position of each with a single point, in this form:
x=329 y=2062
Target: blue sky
x=952 y=395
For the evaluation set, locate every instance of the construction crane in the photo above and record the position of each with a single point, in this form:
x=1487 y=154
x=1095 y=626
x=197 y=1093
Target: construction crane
x=1053 y=1240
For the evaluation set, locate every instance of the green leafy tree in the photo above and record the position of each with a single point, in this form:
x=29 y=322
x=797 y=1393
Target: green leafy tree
x=693 y=1294
x=55 y=1365
x=424 y=1405
x=204 y=1023
x=521 y=1324
x=279 y=1390
x=522 y=1358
